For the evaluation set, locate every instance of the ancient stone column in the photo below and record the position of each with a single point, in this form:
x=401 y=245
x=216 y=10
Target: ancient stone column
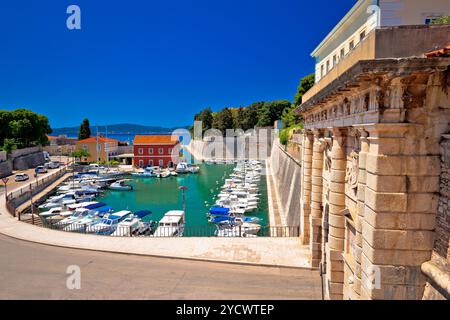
x=305 y=197
x=336 y=235
x=364 y=142
x=400 y=210
x=316 y=199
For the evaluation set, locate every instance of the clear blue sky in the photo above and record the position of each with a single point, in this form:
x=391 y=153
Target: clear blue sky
x=156 y=62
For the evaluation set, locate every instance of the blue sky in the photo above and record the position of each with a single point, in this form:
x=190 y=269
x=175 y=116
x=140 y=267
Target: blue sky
x=156 y=62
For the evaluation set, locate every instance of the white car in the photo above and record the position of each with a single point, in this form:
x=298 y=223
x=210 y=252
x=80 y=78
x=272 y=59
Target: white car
x=53 y=165
x=21 y=177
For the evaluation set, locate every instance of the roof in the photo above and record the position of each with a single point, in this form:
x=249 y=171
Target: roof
x=52 y=137
x=161 y=139
x=444 y=52
x=94 y=139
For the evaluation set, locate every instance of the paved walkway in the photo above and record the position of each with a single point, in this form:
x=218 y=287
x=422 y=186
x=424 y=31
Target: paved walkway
x=34 y=271
x=280 y=252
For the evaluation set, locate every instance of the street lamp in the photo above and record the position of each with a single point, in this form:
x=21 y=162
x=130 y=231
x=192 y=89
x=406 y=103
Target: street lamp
x=183 y=189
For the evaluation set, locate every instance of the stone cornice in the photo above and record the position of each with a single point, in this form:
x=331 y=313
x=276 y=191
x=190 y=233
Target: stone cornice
x=370 y=68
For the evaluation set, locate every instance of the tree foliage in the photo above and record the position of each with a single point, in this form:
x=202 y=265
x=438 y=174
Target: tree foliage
x=81 y=153
x=306 y=83
x=441 y=20
x=85 y=130
x=23 y=128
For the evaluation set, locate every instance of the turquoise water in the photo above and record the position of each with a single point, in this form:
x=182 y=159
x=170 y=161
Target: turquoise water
x=162 y=195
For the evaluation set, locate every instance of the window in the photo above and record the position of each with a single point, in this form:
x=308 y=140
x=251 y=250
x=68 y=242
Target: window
x=362 y=35
x=342 y=53
x=328 y=66
x=150 y=163
x=170 y=150
x=321 y=71
x=161 y=163
x=161 y=150
x=334 y=61
x=141 y=163
x=141 y=150
x=352 y=45
x=150 y=150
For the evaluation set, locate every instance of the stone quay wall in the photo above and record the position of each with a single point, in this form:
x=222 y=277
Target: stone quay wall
x=286 y=170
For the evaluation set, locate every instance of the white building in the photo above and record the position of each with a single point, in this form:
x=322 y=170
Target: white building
x=364 y=17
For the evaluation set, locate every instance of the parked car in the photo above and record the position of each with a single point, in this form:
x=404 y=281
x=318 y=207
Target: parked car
x=21 y=177
x=53 y=165
x=40 y=169
x=46 y=155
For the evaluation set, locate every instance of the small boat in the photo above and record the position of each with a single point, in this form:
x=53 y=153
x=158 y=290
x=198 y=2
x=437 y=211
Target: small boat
x=108 y=225
x=163 y=174
x=171 y=225
x=193 y=169
x=147 y=172
x=52 y=212
x=182 y=167
x=130 y=224
x=121 y=186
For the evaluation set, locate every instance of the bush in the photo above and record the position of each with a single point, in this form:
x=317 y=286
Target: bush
x=284 y=136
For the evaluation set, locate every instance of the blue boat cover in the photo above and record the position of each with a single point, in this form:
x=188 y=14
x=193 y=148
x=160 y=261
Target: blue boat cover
x=219 y=211
x=104 y=209
x=221 y=219
x=143 y=213
x=95 y=206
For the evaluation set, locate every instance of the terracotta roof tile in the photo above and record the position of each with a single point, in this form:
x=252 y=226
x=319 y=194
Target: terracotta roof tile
x=155 y=139
x=94 y=139
x=444 y=52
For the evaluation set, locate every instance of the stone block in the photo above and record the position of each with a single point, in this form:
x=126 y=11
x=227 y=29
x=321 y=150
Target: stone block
x=384 y=165
x=336 y=243
x=386 y=146
x=387 y=202
x=337 y=199
x=337 y=176
x=422 y=184
x=400 y=221
x=388 y=184
x=337 y=221
x=422 y=202
x=337 y=187
x=338 y=164
x=394 y=275
x=419 y=240
x=395 y=257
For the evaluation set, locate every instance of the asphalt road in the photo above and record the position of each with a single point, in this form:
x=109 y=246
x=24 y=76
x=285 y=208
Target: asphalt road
x=13 y=185
x=34 y=271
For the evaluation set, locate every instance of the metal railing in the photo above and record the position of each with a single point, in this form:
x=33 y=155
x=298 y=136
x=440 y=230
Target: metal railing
x=18 y=197
x=151 y=229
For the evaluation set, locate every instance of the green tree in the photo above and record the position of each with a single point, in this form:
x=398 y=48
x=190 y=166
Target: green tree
x=85 y=130
x=9 y=145
x=271 y=112
x=306 y=83
x=81 y=153
x=441 y=20
x=223 y=120
x=25 y=127
x=206 y=117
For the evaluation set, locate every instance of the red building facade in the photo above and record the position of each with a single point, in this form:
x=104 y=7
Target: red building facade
x=162 y=151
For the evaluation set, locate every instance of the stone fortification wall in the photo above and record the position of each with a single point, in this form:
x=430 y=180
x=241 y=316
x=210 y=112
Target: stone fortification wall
x=286 y=172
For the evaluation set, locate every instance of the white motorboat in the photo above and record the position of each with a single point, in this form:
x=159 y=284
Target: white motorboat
x=171 y=225
x=182 y=167
x=127 y=226
x=77 y=215
x=57 y=211
x=193 y=168
x=108 y=225
x=147 y=172
x=121 y=185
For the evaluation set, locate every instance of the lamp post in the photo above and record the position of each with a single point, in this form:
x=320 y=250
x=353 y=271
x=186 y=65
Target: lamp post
x=5 y=181
x=183 y=189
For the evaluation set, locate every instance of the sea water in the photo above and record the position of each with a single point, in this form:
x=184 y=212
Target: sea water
x=162 y=195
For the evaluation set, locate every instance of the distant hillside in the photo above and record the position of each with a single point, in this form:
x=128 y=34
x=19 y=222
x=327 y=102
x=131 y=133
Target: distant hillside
x=115 y=129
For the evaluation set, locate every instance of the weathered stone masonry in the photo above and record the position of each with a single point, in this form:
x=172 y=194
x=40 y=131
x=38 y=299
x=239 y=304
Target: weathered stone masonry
x=371 y=176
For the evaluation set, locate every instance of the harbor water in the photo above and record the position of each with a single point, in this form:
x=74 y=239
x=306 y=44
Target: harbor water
x=162 y=195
